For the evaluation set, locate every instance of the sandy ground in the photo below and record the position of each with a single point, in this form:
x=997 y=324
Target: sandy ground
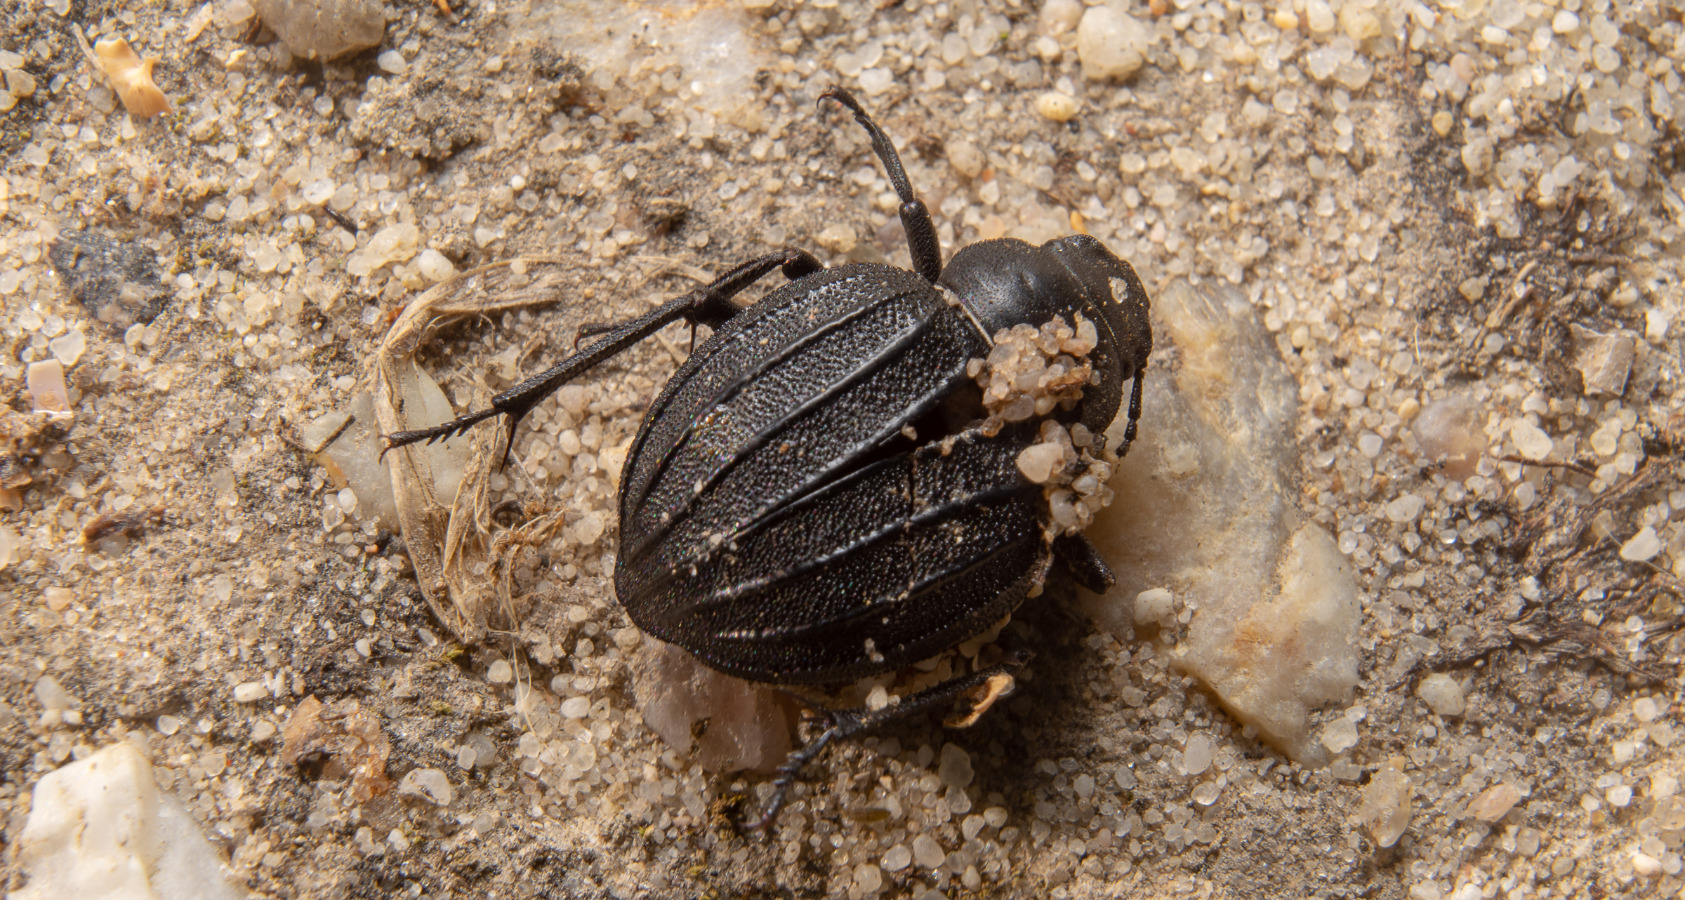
x=1466 y=208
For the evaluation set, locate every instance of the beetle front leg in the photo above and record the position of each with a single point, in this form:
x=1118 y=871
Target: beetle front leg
x=708 y=305
x=846 y=723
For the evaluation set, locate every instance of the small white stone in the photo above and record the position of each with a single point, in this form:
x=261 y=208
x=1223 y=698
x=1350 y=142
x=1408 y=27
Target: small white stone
x=1531 y=440
x=67 y=348
x=1643 y=546
x=868 y=877
x=392 y=61
x=1406 y=508
x=1056 y=106
x=1111 y=43
x=250 y=692
x=430 y=784
x=955 y=768
x=1564 y=22
x=1645 y=864
x=500 y=672
x=1196 y=756
x=434 y=266
x=1442 y=694
x=1339 y=735
x=927 y=853
x=1083 y=785
x=898 y=858
x=876 y=80
x=1319 y=16
x=1385 y=810
x=1619 y=796
x=1154 y=606
x=966 y=158
x=1645 y=709
x=1037 y=461
x=1495 y=802
x=576 y=707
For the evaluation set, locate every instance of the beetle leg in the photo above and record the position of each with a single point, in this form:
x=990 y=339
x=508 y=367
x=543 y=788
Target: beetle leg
x=709 y=305
x=922 y=242
x=1083 y=561
x=842 y=724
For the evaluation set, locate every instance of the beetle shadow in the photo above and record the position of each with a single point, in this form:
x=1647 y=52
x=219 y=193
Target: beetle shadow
x=1045 y=718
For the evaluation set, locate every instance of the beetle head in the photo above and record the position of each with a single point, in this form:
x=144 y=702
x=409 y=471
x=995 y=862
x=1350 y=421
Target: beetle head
x=1008 y=282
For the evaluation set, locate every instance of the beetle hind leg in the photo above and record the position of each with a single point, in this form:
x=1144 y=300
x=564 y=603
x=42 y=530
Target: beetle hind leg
x=841 y=724
x=709 y=305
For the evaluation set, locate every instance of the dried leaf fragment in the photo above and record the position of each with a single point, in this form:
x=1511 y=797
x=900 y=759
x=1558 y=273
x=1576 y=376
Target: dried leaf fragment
x=132 y=77
x=347 y=736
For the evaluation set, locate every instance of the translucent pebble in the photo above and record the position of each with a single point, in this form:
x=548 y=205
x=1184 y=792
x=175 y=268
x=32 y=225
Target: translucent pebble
x=1645 y=709
x=500 y=672
x=955 y=770
x=392 y=61
x=1442 y=694
x=1083 y=785
x=1111 y=43
x=1207 y=793
x=898 y=858
x=250 y=692
x=1619 y=796
x=927 y=853
x=965 y=157
x=1153 y=607
x=576 y=707
x=994 y=816
x=430 y=784
x=318 y=191
x=1339 y=735
x=1060 y=16
x=875 y=81
x=67 y=348
x=1564 y=22
x=1319 y=16
x=1406 y=508
x=1196 y=756
x=434 y=266
x=868 y=877
x=1495 y=802
x=168 y=725
x=1037 y=461
x=1531 y=440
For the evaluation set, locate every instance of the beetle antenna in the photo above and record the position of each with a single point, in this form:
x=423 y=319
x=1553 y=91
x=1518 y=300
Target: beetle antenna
x=1134 y=412
x=922 y=242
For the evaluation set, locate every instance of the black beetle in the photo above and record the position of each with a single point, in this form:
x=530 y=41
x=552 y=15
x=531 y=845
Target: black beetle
x=838 y=482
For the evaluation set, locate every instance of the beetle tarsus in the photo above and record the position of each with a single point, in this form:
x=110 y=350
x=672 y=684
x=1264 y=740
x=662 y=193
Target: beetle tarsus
x=922 y=243
x=444 y=432
x=841 y=724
